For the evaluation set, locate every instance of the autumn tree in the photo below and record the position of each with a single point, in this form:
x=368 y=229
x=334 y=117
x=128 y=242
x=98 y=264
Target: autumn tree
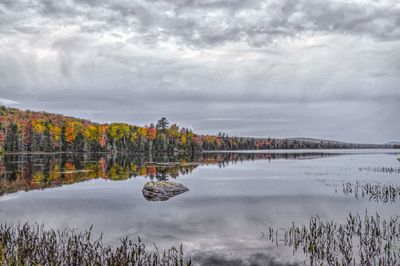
x=70 y=133
x=173 y=131
x=55 y=133
x=38 y=126
x=73 y=135
x=103 y=135
x=151 y=132
x=91 y=133
x=162 y=125
x=119 y=131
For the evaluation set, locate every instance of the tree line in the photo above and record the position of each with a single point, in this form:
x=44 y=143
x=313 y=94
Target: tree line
x=28 y=131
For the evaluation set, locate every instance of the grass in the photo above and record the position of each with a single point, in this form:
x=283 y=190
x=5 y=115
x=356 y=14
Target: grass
x=387 y=170
x=368 y=240
x=378 y=192
x=33 y=245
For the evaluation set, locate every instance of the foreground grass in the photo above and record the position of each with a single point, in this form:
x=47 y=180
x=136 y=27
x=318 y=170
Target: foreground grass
x=361 y=240
x=33 y=245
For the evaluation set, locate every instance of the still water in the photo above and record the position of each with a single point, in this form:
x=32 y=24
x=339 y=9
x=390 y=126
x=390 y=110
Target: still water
x=233 y=197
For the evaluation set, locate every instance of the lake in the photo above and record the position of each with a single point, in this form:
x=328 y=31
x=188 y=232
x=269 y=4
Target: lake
x=234 y=197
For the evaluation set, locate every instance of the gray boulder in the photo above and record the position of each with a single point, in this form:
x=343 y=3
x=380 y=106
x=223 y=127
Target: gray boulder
x=162 y=190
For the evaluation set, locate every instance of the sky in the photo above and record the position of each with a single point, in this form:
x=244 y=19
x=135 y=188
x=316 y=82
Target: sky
x=279 y=68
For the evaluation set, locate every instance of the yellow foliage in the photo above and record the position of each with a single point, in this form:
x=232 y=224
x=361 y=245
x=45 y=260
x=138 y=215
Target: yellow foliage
x=134 y=168
x=38 y=177
x=183 y=139
x=173 y=131
x=91 y=133
x=38 y=126
x=55 y=174
x=55 y=132
x=134 y=135
x=143 y=131
x=117 y=172
x=143 y=171
x=119 y=130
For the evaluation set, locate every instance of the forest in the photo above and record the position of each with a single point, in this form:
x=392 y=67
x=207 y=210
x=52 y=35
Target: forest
x=25 y=131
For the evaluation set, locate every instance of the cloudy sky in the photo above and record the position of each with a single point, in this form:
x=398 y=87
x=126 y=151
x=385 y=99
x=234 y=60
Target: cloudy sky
x=279 y=68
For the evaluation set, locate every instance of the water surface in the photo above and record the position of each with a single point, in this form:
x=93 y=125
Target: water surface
x=233 y=197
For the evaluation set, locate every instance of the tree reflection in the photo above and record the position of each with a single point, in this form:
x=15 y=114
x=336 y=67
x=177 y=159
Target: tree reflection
x=25 y=172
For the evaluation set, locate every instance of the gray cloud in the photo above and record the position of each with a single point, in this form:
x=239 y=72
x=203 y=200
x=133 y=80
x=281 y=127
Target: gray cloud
x=209 y=23
x=260 y=68
x=254 y=22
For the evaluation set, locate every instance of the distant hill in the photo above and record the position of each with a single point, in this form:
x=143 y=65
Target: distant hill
x=393 y=143
x=328 y=141
x=316 y=140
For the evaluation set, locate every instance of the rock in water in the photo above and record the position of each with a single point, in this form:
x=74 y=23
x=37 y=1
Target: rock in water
x=162 y=190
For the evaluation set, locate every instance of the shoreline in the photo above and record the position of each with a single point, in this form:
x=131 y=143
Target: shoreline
x=311 y=150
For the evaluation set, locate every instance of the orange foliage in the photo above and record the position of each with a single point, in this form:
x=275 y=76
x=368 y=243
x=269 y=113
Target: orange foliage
x=70 y=135
x=151 y=170
x=69 y=172
x=72 y=130
x=151 y=133
x=103 y=135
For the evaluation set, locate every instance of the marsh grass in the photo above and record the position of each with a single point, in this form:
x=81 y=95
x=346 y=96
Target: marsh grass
x=385 y=193
x=367 y=240
x=33 y=245
x=386 y=170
